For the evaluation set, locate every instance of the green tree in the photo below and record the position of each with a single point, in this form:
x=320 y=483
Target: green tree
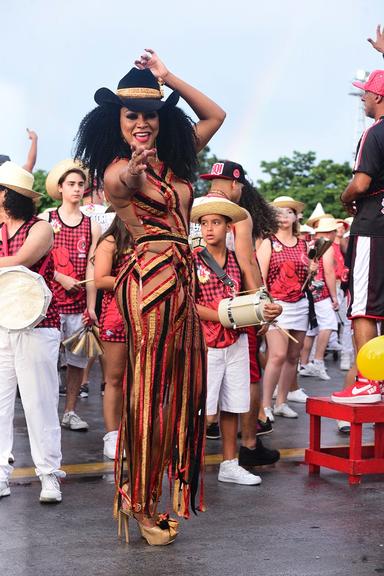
x=305 y=179
x=206 y=159
x=39 y=186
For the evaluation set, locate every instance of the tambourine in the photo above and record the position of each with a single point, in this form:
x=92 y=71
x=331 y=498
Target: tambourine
x=24 y=300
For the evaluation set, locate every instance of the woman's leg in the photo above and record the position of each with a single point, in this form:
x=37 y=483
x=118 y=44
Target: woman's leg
x=115 y=358
x=306 y=350
x=289 y=368
x=277 y=351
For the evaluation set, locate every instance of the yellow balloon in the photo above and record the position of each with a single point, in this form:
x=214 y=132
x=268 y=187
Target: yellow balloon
x=370 y=359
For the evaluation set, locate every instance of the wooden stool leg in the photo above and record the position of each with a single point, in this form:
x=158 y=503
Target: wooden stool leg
x=314 y=440
x=355 y=450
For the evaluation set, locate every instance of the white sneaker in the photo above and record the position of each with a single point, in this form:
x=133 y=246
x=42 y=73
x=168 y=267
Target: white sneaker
x=297 y=396
x=268 y=413
x=285 y=411
x=230 y=471
x=320 y=372
x=274 y=395
x=307 y=370
x=4 y=488
x=110 y=441
x=72 y=421
x=345 y=361
x=50 y=488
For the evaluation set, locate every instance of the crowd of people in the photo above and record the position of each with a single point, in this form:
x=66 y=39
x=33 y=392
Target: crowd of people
x=128 y=249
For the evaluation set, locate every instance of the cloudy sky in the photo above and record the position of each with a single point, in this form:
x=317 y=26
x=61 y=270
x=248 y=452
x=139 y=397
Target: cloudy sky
x=281 y=69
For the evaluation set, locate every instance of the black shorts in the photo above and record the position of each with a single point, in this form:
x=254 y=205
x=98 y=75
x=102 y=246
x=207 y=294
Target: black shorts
x=365 y=260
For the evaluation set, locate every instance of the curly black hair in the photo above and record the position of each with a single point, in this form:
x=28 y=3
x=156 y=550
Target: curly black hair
x=263 y=215
x=99 y=141
x=17 y=205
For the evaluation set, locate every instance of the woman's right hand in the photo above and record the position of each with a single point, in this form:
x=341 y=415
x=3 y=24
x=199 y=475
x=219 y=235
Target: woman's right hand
x=139 y=160
x=313 y=267
x=151 y=61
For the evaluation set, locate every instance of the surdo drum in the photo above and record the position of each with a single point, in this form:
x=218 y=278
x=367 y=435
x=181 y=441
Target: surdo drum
x=244 y=310
x=24 y=298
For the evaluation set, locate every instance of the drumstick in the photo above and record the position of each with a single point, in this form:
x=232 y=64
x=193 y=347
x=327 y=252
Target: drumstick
x=85 y=281
x=286 y=333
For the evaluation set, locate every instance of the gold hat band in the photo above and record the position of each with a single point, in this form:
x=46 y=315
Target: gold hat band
x=139 y=93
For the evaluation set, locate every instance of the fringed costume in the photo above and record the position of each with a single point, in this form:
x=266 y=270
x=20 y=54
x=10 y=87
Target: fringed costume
x=163 y=419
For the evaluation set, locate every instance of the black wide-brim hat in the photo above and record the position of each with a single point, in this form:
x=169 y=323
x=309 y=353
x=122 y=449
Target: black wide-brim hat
x=139 y=91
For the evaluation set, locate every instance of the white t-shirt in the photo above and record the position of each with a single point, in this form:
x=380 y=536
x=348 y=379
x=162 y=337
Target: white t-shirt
x=96 y=212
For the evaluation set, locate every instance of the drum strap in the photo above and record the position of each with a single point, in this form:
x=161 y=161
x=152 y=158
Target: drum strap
x=209 y=260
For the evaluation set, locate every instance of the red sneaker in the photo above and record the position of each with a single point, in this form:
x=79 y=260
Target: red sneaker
x=362 y=391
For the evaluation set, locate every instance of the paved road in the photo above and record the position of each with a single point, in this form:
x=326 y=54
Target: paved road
x=291 y=525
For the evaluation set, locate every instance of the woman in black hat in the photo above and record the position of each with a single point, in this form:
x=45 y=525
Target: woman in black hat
x=145 y=149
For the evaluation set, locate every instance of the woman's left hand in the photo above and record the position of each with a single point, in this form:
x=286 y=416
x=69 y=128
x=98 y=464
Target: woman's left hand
x=151 y=61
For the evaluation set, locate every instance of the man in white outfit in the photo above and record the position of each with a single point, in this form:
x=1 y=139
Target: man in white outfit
x=28 y=358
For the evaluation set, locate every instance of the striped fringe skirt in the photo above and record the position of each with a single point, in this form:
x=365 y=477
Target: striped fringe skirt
x=163 y=421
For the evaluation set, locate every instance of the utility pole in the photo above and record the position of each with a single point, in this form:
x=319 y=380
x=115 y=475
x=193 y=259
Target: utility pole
x=360 y=117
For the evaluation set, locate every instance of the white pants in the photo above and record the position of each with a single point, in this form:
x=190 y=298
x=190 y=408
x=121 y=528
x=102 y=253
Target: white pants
x=29 y=359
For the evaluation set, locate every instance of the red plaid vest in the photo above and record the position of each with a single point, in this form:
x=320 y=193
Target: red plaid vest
x=288 y=269
x=210 y=290
x=70 y=254
x=14 y=244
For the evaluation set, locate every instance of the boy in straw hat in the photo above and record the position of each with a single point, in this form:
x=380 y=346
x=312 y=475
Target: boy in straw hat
x=75 y=238
x=228 y=377
x=28 y=358
x=228 y=181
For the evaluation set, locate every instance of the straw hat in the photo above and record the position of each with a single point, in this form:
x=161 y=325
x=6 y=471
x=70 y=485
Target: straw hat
x=288 y=202
x=212 y=204
x=52 y=181
x=305 y=229
x=326 y=225
x=345 y=223
x=16 y=178
x=317 y=214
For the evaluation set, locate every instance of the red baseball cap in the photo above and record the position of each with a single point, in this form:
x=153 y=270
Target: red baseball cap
x=375 y=83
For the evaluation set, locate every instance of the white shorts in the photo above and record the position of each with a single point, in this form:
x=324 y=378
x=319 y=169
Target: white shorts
x=294 y=315
x=69 y=324
x=228 y=386
x=326 y=317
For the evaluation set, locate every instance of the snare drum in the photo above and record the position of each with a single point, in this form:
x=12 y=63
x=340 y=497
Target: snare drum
x=24 y=300
x=244 y=310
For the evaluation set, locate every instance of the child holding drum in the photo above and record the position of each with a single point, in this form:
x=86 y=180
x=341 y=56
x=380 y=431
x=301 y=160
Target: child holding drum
x=228 y=381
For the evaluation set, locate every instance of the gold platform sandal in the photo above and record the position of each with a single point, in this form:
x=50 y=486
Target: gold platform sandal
x=163 y=533
x=124 y=514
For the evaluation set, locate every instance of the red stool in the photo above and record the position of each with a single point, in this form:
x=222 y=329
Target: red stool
x=357 y=459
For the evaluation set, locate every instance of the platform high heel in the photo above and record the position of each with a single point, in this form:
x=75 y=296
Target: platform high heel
x=163 y=533
x=124 y=514
x=123 y=519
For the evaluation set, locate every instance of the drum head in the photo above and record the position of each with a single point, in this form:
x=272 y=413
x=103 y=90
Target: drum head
x=22 y=300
